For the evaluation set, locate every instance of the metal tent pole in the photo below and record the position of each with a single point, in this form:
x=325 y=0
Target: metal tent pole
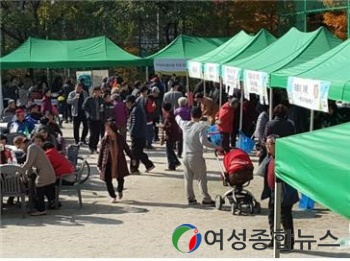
x=187 y=83
x=147 y=74
x=220 y=98
x=241 y=107
x=271 y=104
x=312 y=120
x=277 y=218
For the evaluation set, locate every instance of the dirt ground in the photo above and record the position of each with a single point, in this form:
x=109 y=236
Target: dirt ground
x=142 y=224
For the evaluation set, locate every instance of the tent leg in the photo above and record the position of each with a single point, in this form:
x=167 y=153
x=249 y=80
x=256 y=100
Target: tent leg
x=271 y=105
x=312 y=116
x=1 y=97
x=147 y=73
x=204 y=87
x=187 y=83
x=277 y=218
x=220 y=98
x=241 y=108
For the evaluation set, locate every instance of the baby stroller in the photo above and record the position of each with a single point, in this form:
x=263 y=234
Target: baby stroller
x=238 y=174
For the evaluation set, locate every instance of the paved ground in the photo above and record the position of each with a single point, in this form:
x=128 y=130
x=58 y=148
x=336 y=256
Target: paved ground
x=142 y=224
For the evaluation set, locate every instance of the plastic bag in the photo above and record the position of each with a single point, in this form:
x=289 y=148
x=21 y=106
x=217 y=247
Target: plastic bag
x=245 y=143
x=214 y=135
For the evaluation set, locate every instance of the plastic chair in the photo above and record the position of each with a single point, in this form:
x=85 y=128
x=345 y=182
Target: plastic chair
x=12 y=184
x=77 y=161
x=72 y=153
x=76 y=185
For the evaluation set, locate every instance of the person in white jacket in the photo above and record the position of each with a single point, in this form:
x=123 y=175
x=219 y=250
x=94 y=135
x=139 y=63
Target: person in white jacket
x=195 y=137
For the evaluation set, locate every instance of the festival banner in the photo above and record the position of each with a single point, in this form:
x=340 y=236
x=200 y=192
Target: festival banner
x=170 y=65
x=256 y=82
x=212 y=72
x=307 y=93
x=231 y=78
x=194 y=69
x=98 y=76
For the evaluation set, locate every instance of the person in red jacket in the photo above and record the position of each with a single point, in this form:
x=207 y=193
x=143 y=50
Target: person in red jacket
x=60 y=163
x=225 y=121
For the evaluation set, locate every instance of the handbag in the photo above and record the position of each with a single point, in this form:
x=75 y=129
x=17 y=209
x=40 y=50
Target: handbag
x=261 y=169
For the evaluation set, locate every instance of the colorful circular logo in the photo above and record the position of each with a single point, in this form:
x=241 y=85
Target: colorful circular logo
x=194 y=242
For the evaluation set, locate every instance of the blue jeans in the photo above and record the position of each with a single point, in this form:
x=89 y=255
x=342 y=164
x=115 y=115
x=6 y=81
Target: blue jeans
x=150 y=134
x=171 y=156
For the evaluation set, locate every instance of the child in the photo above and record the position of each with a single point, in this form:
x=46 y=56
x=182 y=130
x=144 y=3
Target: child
x=173 y=134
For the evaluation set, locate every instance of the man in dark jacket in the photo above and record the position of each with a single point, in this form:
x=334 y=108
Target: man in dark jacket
x=138 y=132
x=92 y=108
x=67 y=89
x=107 y=110
x=289 y=198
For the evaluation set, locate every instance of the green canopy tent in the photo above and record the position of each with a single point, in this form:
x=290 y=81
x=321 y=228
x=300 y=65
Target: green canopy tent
x=95 y=52
x=304 y=162
x=172 y=58
x=291 y=49
x=238 y=47
x=333 y=66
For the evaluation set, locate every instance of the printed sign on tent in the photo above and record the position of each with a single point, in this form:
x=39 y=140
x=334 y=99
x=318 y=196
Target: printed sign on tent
x=86 y=78
x=194 y=69
x=311 y=94
x=256 y=82
x=212 y=72
x=98 y=75
x=170 y=65
x=231 y=78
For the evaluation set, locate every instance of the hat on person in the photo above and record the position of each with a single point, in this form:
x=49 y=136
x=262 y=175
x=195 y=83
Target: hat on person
x=155 y=89
x=234 y=100
x=130 y=98
x=11 y=101
x=20 y=111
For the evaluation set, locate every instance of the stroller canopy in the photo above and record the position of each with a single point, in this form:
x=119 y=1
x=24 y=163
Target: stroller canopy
x=236 y=160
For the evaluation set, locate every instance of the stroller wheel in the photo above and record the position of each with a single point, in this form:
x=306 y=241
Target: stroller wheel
x=257 y=207
x=218 y=202
x=251 y=209
x=234 y=208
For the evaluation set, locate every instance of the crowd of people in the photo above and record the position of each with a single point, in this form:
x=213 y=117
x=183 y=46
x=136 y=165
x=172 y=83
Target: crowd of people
x=154 y=111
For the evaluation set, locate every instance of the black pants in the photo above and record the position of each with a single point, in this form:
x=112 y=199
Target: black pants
x=156 y=129
x=76 y=125
x=179 y=147
x=171 y=156
x=41 y=192
x=233 y=139
x=109 y=182
x=95 y=132
x=137 y=147
x=67 y=111
x=287 y=222
x=225 y=140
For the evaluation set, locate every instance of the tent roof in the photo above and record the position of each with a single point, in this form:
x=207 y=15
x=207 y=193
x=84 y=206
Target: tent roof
x=238 y=47
x=92 y=52
x=332 y=66
x=291 y=49
x=187 y=47
x=317 y=164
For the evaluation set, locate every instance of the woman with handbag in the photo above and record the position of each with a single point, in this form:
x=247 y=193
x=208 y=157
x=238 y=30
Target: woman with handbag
x=112 y=162
x=289 y=198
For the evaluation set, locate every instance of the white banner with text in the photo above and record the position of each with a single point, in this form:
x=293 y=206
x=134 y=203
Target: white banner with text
x=307 y=93
x=256 y=82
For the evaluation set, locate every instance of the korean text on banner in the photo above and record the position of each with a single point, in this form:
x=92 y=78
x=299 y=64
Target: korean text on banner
x=194 y=69
x=256 y=82
x=311 y=94
x=170 y=65
x=212 y=72
x=231 y=78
